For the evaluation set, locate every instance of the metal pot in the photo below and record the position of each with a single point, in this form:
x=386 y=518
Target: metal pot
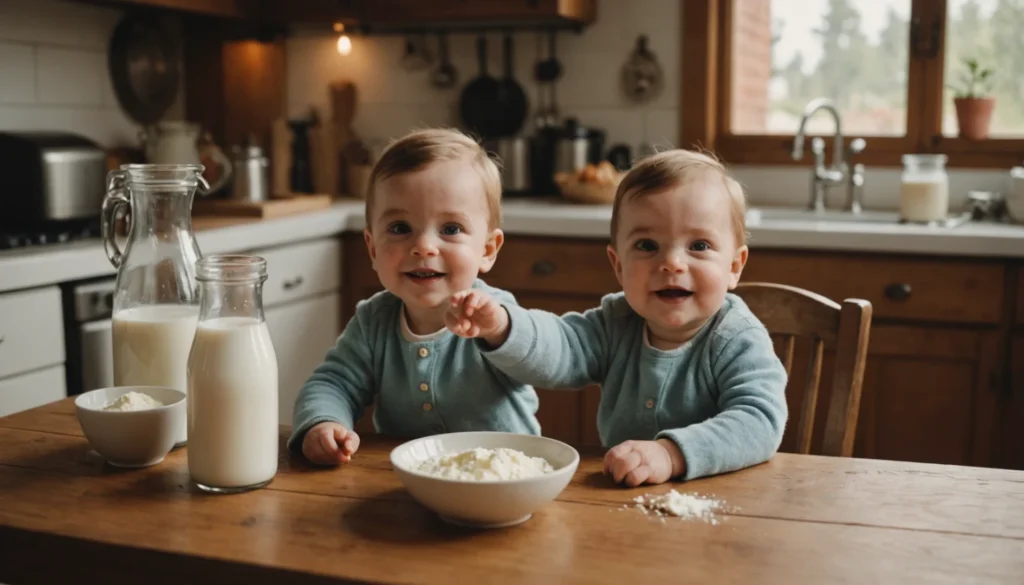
x=514 y=155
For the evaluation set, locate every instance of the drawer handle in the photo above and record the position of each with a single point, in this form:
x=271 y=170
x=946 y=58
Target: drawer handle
x=543 y=267
x=1 y=338
x=898 y=292
x=293 y=283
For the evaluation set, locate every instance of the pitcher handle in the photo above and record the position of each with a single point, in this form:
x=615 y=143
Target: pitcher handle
x=115 y=199
x=225 y=165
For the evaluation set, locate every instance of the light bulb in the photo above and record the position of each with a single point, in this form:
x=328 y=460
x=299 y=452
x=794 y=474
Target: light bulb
x=344 y=45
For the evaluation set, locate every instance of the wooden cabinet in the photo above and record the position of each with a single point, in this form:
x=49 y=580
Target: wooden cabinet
x=932 y=384
x=239 y=9
x=944 y=381
x=302 y=333
x=447 y=12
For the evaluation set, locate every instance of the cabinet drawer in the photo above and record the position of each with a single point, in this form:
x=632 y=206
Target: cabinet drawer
x=31 y=390
x=924 y=289
x=31 y=330
x=553 y=265
x=301 y=270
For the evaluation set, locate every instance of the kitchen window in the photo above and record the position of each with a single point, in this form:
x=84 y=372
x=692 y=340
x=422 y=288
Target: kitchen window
x=750 y=67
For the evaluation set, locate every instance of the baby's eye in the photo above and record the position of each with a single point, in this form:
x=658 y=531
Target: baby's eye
x=399 y=228
x=700 y=246
x=646 y=245
x=451 y=229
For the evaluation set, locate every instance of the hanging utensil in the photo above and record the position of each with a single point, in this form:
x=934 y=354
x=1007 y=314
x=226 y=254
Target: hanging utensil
x=477 y=105
x=511 y=105
x=445 y=76
x=642 y=79
x=143 y=63
x=549 y=71
x=413 y=58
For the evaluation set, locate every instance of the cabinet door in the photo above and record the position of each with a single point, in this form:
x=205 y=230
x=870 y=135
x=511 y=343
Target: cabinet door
x=1013 y=419
x=30 y=390
x=930 y=395
x=425 y=11
x=302 y=333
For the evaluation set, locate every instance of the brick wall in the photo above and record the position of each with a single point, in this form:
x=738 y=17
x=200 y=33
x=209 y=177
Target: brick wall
x=751 y=65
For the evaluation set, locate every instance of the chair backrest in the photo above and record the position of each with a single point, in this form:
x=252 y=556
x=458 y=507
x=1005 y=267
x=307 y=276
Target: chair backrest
x=789 y=312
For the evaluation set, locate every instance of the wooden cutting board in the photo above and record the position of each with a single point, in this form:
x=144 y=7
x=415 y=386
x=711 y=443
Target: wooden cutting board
x=277 y=206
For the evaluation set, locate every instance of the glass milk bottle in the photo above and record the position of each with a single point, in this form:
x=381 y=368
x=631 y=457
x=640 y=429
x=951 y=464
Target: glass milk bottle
x=232 y=379
x=924 y=188
x=155 y=305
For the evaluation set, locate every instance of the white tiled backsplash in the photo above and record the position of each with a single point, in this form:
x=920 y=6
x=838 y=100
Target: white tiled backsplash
x=53 y=71
x=392 y=101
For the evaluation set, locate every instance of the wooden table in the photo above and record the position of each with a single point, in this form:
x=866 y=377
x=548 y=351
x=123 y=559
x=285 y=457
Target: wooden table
x=65 y=515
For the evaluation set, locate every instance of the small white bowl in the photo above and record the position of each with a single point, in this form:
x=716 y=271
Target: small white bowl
x=484 y=504
x=131 y=438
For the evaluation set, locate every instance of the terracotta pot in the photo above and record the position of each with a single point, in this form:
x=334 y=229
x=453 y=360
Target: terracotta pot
x=974 y=115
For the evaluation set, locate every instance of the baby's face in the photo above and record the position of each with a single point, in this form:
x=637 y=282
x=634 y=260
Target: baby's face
x=428 y=237
x=676 y=256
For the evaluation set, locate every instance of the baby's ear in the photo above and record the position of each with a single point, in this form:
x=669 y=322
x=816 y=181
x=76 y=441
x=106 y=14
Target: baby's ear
x=736 y=267
x=613 y=257
x=495 y=239
x=368 y=238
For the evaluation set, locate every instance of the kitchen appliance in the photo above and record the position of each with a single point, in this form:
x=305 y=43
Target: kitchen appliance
x=55 y=233
x=51 y=178
x=566 y=148
x=88 y=338
x=251 y=180
x=180 y=143
x=514 y=157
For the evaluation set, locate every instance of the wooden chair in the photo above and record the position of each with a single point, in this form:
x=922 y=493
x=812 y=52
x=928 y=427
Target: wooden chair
x=789 y=312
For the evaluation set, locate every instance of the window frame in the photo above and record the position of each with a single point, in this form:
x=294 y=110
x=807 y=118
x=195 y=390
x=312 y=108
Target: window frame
x=706 y=100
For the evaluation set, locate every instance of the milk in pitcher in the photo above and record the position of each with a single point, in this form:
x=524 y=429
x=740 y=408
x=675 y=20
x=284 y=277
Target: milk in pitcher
x=152 y=343
x=232 y=404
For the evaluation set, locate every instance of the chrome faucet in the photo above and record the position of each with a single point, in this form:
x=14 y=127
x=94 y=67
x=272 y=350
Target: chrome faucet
x=840 y=172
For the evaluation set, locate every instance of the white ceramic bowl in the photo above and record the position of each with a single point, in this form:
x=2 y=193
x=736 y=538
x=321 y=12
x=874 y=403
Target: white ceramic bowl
x=485 y=504
x=131 y=438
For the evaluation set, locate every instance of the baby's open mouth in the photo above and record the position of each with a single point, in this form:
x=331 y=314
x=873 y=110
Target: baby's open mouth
x=673 y=293
x=424 y=274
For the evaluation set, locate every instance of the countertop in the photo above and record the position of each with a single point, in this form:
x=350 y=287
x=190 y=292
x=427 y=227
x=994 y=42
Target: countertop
x=794 y=519
x=540 y=217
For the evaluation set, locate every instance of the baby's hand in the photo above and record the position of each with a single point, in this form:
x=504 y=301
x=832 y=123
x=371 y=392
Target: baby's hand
x=474 y=313
x=329 y=443
x=637 y=462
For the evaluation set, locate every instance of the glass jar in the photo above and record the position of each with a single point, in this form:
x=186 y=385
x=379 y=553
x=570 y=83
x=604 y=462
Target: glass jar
x=232 y=379
x=155 y=306
x=924 y=188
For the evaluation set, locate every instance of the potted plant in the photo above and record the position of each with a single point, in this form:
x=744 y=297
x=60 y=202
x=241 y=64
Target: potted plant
x=973 y=104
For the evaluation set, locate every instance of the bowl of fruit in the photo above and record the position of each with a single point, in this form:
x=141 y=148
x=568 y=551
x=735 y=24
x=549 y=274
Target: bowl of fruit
x=591 y=184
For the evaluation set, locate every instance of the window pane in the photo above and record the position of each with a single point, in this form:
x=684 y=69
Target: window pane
x=990 y=32
x=788 y=52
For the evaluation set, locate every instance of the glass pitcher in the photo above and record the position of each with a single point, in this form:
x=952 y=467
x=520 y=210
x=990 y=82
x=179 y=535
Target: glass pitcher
x=232 y=379
x=155 y=307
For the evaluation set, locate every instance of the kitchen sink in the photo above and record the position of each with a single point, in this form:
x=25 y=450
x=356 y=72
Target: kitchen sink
x=761 y=214
x=768 y=215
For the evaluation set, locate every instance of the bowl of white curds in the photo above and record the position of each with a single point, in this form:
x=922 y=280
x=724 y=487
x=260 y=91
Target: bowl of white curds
x=131 y=426
x=484 y=479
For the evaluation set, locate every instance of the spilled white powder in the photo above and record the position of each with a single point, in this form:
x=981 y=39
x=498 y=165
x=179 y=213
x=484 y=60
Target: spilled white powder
x=134 y=401
x=673 y=503
x=481 y=464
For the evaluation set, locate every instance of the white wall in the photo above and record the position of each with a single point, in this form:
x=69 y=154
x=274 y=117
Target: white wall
x=392 y=100
x=53 y=70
